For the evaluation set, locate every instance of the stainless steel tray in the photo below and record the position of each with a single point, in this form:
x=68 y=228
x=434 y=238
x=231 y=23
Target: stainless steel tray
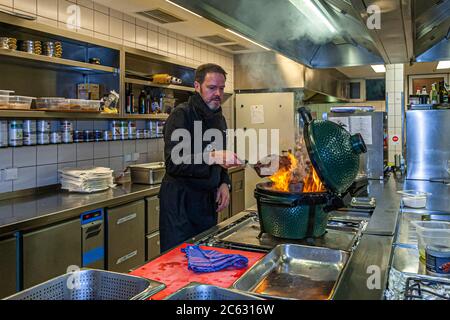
x=91 y=284
x=295 y=272
x=199 y=291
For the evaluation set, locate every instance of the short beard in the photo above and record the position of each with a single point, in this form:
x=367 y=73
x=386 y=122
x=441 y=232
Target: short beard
x=210 y=106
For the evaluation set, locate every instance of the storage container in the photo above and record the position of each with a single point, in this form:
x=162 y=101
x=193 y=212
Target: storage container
x=432 y=233
x=414 y=199
x=52 y=103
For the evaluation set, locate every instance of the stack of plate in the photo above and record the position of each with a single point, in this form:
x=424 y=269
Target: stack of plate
x=52 y=49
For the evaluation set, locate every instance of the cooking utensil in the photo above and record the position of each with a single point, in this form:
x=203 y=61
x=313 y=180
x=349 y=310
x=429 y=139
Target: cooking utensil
x=148 y=173
x=91 y=284
x=199 y=291
x=295 y=272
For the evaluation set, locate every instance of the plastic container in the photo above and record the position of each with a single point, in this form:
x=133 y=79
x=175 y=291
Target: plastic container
x=17 y=102
x=414 y=199
x=432 y=233
x=52 y=103
x=78 y=104
x=93 y=105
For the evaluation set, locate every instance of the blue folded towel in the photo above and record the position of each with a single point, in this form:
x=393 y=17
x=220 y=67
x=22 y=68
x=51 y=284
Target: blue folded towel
x=200 y=260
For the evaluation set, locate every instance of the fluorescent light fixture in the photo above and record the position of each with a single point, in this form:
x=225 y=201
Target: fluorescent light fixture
x=308 y=8
x=445 y=64
x=245 y=38
x=378 y=68
x=177 y=5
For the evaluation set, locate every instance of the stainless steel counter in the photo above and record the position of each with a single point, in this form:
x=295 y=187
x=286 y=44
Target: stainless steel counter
x=30 y=212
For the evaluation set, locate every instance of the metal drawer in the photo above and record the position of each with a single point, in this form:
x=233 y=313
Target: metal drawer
x=237 y=192
x=153 y=245
x=8 y=267
x=152 y=214
x=126 y=236
x=48 y=252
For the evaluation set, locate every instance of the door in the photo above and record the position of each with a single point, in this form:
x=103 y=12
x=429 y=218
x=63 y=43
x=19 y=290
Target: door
x=278 y=113
x=153 y=246
x=48 y=252
x=237 y=192
x=152 y=214
x=7 y=267
x=126 y=236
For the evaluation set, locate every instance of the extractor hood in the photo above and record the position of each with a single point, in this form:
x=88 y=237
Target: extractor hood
x=269 y=71
x=335 y=33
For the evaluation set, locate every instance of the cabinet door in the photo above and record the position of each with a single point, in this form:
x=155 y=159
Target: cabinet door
x=126 y=236
x=237 y=192
x=7 y=267
x=152 y=214
x=48 y=252
x=224 y=214
x=153 y=246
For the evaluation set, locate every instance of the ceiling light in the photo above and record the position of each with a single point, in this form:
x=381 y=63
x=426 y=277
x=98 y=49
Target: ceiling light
x=445 y=64
x=241 y=36
x=378 y=68
x=310 y=10
x=177 y=5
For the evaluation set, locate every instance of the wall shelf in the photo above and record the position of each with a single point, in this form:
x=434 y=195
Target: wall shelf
x=165 y=86
x=35 y=114
x=42 y=61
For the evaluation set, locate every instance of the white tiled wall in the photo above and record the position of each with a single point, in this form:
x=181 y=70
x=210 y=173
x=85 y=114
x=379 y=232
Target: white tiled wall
x=394 y=93
x=107 y=24
x=38 y=165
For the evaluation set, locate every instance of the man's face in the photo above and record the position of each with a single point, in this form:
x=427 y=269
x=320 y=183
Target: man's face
x=212 y=89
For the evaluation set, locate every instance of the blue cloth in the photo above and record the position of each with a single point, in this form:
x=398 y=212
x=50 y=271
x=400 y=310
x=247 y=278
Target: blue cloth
x=200 y=260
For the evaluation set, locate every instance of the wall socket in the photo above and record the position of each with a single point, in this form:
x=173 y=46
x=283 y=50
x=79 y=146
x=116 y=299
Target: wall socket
x=10 y=174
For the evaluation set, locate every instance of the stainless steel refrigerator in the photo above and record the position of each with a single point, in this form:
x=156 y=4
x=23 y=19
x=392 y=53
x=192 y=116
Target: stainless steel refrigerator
x=372 y=126
x=427 y=144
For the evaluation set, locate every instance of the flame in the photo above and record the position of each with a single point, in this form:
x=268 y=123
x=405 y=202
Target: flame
x=282 y=178
x=312 y=182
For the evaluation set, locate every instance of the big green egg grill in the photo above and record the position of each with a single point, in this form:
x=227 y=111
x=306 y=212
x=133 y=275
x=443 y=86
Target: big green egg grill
x=334 y=154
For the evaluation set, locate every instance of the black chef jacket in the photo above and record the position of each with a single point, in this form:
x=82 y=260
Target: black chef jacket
x=188 y=191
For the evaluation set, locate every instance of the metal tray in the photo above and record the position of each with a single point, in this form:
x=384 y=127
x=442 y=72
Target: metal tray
x=199 y=291
x=91 y=284
x=295 y=272
x=246 y=235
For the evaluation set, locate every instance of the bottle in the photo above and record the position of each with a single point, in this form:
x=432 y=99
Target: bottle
x=445 y=93
x=141 y=105
x=148 y=103
x=424 y=95
x=129 y=99
x=433 y=94
x=155 y=105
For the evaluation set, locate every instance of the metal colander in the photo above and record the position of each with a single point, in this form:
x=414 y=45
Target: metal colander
x=197 y=291
x=92 y=285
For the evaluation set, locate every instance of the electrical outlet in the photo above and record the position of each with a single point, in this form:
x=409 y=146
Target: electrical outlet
x=10 y=174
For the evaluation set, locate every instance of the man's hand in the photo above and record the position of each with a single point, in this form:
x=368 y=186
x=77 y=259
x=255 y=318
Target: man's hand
x=223 y=197
x=224 y=158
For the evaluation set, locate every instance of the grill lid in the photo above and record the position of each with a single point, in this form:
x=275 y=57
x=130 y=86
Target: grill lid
x=333 y=151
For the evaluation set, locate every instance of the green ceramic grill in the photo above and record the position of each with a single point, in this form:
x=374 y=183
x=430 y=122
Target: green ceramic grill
x=334 y=153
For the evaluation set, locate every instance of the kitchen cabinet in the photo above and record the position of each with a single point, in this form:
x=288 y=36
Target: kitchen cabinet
x=153 y=245
x=126 y=236
x=237 y=192
x=8 y=267
x=48 y=252
x=152 y=227
x=152 y=204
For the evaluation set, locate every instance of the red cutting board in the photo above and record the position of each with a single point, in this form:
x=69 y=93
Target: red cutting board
x=172 y=269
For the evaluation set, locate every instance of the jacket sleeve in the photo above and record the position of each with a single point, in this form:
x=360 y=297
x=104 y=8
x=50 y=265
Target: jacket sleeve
x=224 y=177
x=187 y=168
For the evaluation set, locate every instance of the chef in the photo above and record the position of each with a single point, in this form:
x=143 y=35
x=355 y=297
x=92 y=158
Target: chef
x=196 y=186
